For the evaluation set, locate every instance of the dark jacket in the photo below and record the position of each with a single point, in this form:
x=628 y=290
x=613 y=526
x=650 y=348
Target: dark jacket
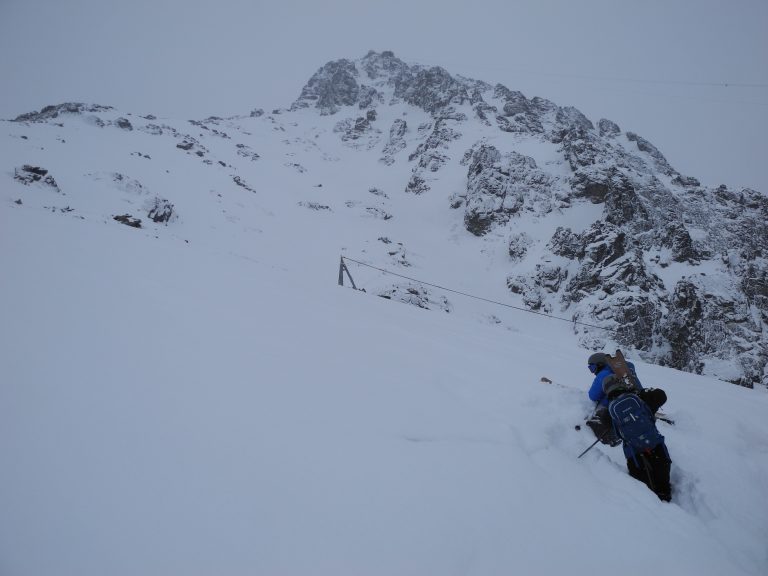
x=629 y=452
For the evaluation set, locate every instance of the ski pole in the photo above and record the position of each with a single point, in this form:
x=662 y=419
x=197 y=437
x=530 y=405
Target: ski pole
x=593 y=443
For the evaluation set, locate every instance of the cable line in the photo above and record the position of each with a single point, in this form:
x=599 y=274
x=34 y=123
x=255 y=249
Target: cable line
x=570 y=321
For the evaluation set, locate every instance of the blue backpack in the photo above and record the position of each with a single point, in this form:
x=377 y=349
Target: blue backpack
x=634 y=423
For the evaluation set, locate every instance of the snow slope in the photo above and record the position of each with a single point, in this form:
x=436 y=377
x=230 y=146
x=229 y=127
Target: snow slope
x=200 y=397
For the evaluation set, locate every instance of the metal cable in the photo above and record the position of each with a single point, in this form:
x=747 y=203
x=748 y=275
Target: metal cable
x=570 y=321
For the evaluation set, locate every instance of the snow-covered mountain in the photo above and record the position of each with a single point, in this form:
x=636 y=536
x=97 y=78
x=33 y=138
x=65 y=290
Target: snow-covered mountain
x=571 y=218
x=186 y=390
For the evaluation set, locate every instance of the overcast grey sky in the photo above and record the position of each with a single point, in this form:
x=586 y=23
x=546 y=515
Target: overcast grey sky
x=656 y=67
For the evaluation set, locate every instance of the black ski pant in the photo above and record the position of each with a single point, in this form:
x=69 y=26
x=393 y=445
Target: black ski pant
x=652 y=468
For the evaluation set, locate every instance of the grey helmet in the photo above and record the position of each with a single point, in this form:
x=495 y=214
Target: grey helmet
x=613 y=384
x=598 y=360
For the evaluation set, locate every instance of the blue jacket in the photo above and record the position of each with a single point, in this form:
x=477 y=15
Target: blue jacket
x=596 y=393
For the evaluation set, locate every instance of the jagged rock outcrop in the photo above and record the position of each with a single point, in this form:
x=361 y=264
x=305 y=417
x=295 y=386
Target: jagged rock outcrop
x=660 y=162
x=124 y=124
x=518 y=245
x=607 y=128
x=430 y=154
x=50 y=112
x=354 y=131
x=396 y=141
x=160 y=211
x=29 y=174
x=431 y=89
x=128 y=220
x=500 y=186
x=346 y=83
x=706 y=327
x=332 y=86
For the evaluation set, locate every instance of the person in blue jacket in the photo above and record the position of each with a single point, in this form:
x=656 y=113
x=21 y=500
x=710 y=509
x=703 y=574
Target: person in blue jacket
x=600 y=420
x=598 y=365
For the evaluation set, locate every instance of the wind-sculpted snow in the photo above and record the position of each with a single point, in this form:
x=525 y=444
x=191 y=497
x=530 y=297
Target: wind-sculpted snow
x=591 y=222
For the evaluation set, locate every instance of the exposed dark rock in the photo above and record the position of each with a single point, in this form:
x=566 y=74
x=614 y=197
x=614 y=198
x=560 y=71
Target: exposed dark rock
x=242 y=183
x=315 y=206
x=378 y=212
x=246 y=152
x=520 y=115
x=128 y=220
x=582 y=148
x=353 y=129
x=416 y=185
x=679 y=240
x=28 y=174
x=572 y=119
x=431 y=89
x=660 y=163
x=124 y=124
x=500 y=187
x=567 y=244
x=332 y=86
x=601 y=245
x=686 y=181
x=50 y=112
x=368 y=97
x=514 y=102
x=520 y=124
x=36 y=172
x=550 y=277
x=417 y=296
x=483 y=111
x=384 y=65
x=546 y=279
x=161 y=211
x=683 y=328
x=623 y=204
x=754 y=283
x=189 y=144
x=701 y=326
x=518 y=245
x=608 y=129
x=531 y=292
x=257 y=113
x=396 y=141
x=430 y=153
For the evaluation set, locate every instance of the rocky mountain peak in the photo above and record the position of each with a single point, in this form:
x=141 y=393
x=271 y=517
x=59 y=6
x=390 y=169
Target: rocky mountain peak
x=676 y=270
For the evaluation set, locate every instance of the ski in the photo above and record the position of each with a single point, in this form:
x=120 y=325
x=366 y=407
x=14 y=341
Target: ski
x=619 y=366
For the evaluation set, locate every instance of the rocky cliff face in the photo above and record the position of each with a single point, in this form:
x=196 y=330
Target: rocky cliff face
x=676 y=270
